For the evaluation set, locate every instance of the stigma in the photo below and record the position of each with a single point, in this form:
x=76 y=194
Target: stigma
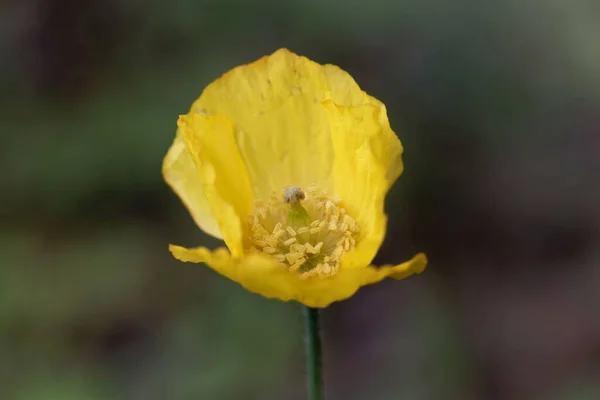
x=293 y=195
x=307 y=232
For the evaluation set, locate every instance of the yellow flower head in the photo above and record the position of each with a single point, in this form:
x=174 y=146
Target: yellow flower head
x=288 y=161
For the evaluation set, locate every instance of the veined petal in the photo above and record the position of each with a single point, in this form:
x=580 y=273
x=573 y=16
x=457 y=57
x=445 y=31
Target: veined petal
x=287 y=146
x=366 y=150
x=343 y=89
x=346 y=92
x=257 y=272
x=349 y=280
x=416 y=265
x=281 y=129
x=260 y=274
x=180 y=172
x=211 y=144
x=324 y=291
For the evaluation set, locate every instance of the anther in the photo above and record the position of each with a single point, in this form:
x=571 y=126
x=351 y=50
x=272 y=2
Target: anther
x=298 y=264
x=297 y=247
x=302 y=230
x=293 y=257
x=289 y=241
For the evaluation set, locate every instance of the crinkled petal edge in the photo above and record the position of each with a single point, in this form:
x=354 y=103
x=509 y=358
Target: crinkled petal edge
x=259 y=274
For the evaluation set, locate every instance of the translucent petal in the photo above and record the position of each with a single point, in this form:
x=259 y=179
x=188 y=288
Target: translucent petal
x=346 y=92
x=281 y=128
x=211 y=144
x=260 y=274
x=366 y=150
x=181 y=174
x=257 y=273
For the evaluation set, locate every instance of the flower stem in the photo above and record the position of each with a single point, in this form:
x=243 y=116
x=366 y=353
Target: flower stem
x=313 y=353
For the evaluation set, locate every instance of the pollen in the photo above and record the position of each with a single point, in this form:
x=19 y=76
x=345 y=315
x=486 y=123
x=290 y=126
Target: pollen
x=307 y=232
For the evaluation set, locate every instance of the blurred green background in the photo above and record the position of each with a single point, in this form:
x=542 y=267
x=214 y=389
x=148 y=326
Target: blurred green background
x=497 y=104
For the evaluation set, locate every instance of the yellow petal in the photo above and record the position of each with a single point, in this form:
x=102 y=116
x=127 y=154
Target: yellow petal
x=260 y=274
x=181 y=174
x=281 y=129
x=366 y=150
x=414 y=266
x=322 y=292
x=343 y=89
x=287 y=147
x=211 y=144
x=346 y=92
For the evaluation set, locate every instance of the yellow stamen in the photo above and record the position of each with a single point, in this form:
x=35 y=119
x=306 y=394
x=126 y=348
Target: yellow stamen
x=302 y=230
x=298 y=264
x=307 y=232
x=293 y=257
x=290 y=241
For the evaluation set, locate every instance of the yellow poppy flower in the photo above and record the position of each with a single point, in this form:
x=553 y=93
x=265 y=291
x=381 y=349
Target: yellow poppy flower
x=288 y=161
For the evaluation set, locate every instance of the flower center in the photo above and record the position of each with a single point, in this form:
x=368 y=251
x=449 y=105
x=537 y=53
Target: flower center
x=306 y=232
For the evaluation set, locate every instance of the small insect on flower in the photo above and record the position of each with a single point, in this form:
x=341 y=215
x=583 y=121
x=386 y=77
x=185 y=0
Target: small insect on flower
x=289 y=162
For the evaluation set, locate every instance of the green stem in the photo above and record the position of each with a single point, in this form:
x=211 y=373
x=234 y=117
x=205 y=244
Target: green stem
x=313 y=353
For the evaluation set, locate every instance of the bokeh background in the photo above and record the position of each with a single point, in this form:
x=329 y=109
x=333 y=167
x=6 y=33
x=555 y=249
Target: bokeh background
x=497 y=104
